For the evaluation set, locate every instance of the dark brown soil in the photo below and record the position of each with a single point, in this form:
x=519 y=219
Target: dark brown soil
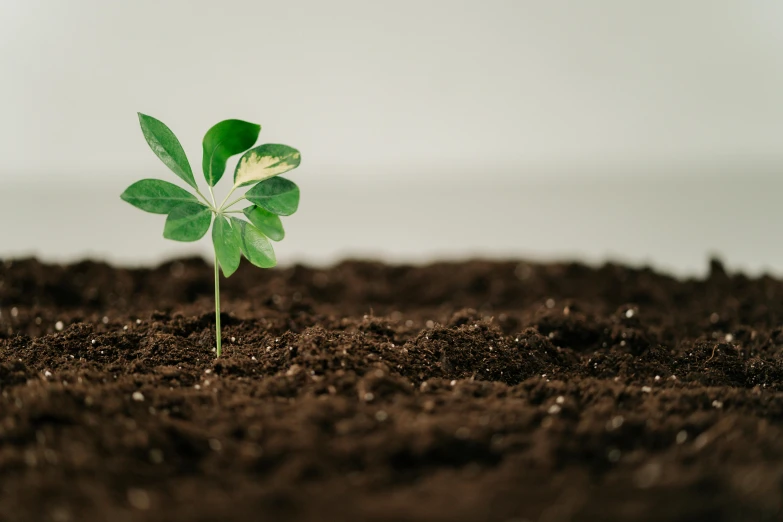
x=480 y=391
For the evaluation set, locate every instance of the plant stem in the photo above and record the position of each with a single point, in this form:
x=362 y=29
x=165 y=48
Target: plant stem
x=233 y=203
x=212 y=194
x=217 y=305
x=228 y=196
x=204 y=198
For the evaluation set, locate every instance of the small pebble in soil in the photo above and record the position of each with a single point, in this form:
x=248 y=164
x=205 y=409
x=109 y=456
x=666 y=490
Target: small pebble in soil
x=14 y=311
x=197 y=387
x=657 y=378
x=139 y=499
x=648 y=475
x=615 y=422
x=453 y=382
x=233 y=339
x=550 y=303
x=430 y=324
x=646 y=389
x=47 y=373
x=156 y=456
x=368 y=397
x=554 y=409
x=253 y=358
x=381 y=416
x=629 y=313
x=714 y=318
x=717 y=404
x=729 y=338
x=462 y=433
x=138 y=396
x=105 y=320
x=38 y=320
x=682 y=436
x=138 y=321
x=215 y=445
x=613 y=455
x=207 y=371
x=59 y=326
x=560 y=399
x=93 y=341
x=125 y=327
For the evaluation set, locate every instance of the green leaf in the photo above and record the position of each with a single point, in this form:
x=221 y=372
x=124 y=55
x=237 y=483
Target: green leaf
x=222 y=141
x=156 y=196
x=269 y=224
x=255 y=245
x=187 y=222
x=227 y=243
x=166 y=146
x=264 y=162
x=277 y=195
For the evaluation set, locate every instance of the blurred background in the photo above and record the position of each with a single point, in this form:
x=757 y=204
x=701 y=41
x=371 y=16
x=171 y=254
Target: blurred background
x=642 y=132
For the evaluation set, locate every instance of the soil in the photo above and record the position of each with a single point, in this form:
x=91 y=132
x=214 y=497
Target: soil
x=476 y=391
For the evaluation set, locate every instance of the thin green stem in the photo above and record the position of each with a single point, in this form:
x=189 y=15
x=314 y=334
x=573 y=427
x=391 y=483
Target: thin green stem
x=217 y=306
x=204 y=198
x=225 y=207
x=233 y=212
x=228 y=196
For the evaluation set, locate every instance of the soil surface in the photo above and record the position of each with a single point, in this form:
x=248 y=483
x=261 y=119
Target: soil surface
x=477 y=391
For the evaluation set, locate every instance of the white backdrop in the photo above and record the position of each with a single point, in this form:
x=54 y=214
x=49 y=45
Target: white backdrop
x=428 y=128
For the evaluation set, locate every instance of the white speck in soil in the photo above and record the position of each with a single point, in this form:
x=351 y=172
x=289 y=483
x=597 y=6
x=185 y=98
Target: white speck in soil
x=139 y=499
x=105 y=320
x=729 y=338
x=408 y=323
x=47 y=373
x=215 y=445
x=550 y=303
x=59 y=326
x=125 y=327
x=138 y=396
x=567 y=310
x=38 y=320
x=197 y=387
x=657 y=378
x=646 y=389
x=554 y=409
x=560 y=399
x=453 y=382
x=368 y=397
x=207 y=371
x=233 y=339
x=717 y=404
x=14 y=311
x=682 y=436
x=253 y=358
x=430 y=324
x=629 y=313
x=93 y=341
x=138 y=321
x=381 y=416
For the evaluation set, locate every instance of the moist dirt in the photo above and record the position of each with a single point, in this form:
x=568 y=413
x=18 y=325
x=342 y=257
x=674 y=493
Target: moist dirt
x=475 y=391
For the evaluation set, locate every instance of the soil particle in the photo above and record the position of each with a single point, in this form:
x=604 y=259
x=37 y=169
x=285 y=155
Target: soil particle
x=491 y=391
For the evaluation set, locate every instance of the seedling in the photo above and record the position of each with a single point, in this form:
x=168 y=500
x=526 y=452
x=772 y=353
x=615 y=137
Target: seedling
x=190 y=215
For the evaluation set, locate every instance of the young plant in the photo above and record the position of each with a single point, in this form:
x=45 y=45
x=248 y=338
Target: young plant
x=190 y=215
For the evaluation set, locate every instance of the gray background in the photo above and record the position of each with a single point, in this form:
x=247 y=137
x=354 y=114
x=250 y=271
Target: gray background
x=645 y=132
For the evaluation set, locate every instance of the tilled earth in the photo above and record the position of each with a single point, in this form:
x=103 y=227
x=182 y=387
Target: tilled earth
x=476 y=391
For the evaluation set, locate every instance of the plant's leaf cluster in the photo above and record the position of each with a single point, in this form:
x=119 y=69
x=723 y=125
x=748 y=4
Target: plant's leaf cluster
x=189 y=217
